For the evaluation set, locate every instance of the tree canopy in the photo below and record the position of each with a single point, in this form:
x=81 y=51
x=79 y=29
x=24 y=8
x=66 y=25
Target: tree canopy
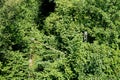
x=60 y=39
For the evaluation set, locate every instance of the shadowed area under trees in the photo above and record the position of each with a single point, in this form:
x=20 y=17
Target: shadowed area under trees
x=46 y=7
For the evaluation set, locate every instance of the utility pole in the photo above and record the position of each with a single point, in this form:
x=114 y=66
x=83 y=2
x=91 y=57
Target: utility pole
x=85 y=36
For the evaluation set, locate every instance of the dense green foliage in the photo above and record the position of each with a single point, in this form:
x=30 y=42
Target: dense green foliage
x=51 y=34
